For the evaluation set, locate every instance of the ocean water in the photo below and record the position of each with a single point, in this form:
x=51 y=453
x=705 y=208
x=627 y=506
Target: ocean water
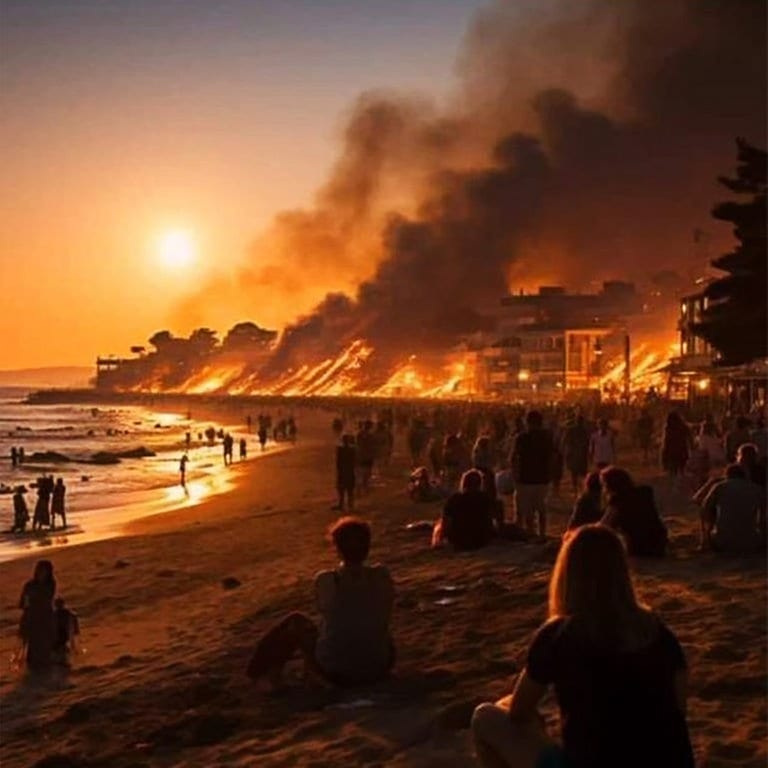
x=101 y=498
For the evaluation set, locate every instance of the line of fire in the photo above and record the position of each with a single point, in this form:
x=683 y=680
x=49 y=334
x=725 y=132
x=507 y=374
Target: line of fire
x=547 y=346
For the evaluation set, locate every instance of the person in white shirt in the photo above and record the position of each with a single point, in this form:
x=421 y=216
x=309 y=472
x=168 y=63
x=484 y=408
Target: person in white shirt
x=602 y=446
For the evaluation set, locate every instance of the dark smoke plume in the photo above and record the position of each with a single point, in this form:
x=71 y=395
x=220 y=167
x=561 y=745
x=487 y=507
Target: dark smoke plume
x=584 y=144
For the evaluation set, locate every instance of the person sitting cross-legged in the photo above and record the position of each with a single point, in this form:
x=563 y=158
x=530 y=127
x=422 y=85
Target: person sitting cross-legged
x=352 y=644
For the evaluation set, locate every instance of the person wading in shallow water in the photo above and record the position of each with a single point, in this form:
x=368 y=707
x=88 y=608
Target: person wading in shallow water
x=57 y=503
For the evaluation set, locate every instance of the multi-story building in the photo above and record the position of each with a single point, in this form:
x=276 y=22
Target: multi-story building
x=552 y=343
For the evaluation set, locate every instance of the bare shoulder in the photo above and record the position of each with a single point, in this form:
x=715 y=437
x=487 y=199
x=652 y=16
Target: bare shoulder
x=324 y=579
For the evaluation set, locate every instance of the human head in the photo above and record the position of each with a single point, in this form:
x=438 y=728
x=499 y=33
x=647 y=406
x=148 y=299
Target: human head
x=591 y=581
x=616 y=481
x=43 y=571
x=352 y=538
x=534 y=420
x=746 y=455
x=592 y=482
x=471 y=480
x=735 y=472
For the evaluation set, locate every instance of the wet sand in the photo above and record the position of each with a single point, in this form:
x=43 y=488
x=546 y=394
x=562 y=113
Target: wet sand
x=162 y=682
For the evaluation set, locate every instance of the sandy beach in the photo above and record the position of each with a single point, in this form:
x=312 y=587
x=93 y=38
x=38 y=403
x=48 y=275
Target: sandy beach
x=167 y=638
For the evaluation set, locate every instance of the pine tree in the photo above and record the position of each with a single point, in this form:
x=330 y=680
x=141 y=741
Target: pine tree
x=735 y=321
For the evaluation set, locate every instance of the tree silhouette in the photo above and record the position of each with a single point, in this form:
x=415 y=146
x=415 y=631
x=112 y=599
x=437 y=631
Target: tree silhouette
x=735 y=319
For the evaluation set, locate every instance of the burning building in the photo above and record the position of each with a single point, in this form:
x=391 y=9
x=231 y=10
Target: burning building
x=552 y=343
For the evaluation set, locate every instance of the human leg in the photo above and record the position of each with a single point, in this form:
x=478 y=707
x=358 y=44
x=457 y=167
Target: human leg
x=296 y=633
x=503 y=743
x=524 y=507
x=541 y=508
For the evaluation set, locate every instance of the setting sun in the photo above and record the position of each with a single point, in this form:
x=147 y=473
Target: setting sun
x=176 y=249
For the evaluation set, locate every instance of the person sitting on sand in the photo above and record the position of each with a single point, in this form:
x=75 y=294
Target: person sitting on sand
x=421 y=489
x=733 y=514
x=618 y=672
x=20 y=511
x=352 y=644
x=67 y=629
x=467 y=520
x=36 y=628
x=589 y=506
x=631 y=510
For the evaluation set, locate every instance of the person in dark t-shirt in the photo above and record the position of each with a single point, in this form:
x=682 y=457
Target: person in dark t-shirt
x=531 y=462
x=588 y=507
x=467 y=521
x=618 y=672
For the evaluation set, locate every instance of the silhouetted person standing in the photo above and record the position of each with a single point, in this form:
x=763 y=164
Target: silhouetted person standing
x=243 y=449
x=57 y=504
x=346 y=462
x=183 y=470
x=531 y=462
x=20 y=512
x=21 y=455
x=14 y=457
x=263 y=435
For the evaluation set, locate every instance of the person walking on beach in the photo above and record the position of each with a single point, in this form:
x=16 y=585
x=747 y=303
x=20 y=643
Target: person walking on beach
x=66 y=632
x=57 y=504
x=352 y=644
x=20 y=511
x=183 y=470
x=263 y=434
x=243 y=449
x=36 y=628
x=346 y=463
x=576 y=452
x=602 y=446
x=42 y=515
x=618 y=671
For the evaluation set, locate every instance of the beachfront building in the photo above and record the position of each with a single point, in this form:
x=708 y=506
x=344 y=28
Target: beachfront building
x=553 y=345
x=695 y=378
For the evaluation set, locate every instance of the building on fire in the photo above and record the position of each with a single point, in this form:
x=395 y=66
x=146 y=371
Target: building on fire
x=552 y=344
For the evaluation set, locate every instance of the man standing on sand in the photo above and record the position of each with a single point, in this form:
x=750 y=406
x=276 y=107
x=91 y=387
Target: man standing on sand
x=183 y=470
x=531 y=462
x=346 y=462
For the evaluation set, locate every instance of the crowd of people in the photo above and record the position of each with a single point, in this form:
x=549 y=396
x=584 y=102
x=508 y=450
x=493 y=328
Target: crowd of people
x=619 y=673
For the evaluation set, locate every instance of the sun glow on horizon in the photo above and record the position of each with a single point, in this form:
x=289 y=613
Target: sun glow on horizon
x=176 y=249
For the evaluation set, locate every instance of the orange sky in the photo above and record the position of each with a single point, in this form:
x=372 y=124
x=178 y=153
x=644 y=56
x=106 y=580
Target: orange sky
x=122 y=121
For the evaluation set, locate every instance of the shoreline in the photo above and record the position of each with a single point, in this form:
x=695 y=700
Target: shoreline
x=171 y=611
x=112 y=517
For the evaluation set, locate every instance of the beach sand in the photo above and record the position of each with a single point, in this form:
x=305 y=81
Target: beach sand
x=162 y=681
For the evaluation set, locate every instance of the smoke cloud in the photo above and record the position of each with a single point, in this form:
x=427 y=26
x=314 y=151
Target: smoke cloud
x=584 y=143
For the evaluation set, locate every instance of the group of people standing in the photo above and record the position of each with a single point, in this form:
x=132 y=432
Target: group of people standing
x=50 y=504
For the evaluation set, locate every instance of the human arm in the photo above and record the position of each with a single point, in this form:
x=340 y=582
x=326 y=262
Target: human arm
x=523 y=706
x=325 y=591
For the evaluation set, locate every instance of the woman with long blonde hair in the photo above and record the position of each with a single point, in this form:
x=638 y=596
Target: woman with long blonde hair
x=618 y=672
